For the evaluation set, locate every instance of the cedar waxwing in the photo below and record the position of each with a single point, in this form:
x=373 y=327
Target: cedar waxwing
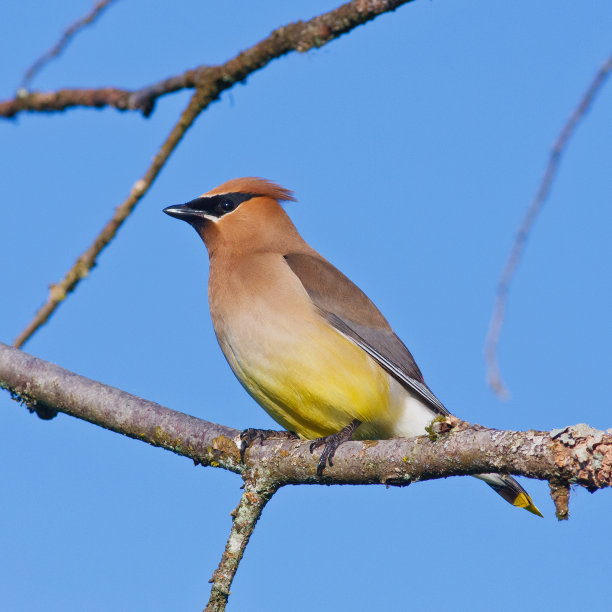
x=305 y=342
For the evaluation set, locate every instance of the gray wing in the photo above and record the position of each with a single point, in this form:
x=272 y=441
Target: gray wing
x=353 y=314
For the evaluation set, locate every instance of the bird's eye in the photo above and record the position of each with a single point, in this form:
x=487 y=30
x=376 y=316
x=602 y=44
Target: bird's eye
x=227 y=205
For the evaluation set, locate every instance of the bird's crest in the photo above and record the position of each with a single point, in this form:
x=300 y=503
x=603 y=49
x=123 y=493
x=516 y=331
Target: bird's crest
x=254 y=185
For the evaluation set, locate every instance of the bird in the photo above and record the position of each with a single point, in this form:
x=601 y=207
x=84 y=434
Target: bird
x=303 y=340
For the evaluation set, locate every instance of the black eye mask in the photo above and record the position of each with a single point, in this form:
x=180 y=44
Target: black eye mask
x=219 y=205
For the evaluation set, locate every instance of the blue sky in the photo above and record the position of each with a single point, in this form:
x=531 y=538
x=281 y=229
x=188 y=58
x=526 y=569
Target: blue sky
x=414 y=145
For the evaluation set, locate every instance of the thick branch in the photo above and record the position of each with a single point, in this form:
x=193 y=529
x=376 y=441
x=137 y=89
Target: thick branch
x=42 y=385
x=578 y=454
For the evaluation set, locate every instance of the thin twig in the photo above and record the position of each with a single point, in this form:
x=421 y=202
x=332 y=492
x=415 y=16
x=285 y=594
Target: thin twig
x=244 y=519
x=211 y=82
x=501 y=298
x=299 y=36
x=87 y=260
x=142 y=100
x=62 y=43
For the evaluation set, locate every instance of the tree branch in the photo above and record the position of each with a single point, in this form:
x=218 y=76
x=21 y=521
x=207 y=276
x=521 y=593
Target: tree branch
x=42 y=385
x=209 y=82
x=244 y=518
x=300 y=36
x=574 y=455
x=83 y=265
x=501 y=297
x=62 y=43
x=142 y=100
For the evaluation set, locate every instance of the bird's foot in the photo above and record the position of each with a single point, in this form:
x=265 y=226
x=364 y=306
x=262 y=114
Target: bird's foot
x=331 y=444
x=248 y=436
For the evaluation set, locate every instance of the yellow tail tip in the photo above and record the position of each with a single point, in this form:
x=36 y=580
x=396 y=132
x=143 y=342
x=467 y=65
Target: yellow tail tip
x=524 y=501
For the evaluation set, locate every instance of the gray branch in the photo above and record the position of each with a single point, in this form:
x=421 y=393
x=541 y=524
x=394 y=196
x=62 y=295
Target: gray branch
x=574 y=455
x=244 y=518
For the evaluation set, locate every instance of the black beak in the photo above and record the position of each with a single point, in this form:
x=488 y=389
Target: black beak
x=180 y=211
x=185 y=212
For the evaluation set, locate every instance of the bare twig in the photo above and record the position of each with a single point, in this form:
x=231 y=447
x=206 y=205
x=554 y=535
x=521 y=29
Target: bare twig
x=501 y=297
x=299 y=36
x=62 y=43
x=210 y=83
x=142 y=100
x=88 y=259
x=244 y=518
x=63 y=99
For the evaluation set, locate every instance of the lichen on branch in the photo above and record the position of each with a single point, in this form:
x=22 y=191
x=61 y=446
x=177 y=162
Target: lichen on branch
x=575 y=455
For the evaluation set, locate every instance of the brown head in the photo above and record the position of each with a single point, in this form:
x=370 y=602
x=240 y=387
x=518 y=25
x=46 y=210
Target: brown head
x=243 y=214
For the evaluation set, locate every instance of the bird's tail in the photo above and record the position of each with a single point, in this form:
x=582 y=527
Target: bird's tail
x=510 y=490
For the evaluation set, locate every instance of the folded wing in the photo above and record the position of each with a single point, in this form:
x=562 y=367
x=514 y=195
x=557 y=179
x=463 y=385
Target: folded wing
x=353 y=314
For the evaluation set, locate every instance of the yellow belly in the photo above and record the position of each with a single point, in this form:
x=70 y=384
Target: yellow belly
x=314 y=383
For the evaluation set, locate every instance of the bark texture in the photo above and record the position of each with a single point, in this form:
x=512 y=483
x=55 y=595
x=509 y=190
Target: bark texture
x=575 y=455
x=244 y=519
x=300 y=36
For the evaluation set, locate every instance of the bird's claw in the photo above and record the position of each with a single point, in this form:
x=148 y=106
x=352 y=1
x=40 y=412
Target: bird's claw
x=331 y=444
x=248 y=436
